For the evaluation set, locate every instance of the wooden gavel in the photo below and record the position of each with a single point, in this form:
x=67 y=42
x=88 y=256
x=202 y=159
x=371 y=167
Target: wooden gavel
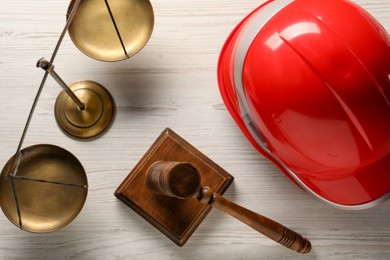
x=182 y=180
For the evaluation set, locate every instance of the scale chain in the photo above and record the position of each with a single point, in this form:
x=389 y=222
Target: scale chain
x=50 y=182
x=116 y=28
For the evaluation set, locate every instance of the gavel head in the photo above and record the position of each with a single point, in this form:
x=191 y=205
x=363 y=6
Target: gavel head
x=174 y=179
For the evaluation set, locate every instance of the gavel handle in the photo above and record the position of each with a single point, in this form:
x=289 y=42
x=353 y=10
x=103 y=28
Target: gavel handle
x=264 y=225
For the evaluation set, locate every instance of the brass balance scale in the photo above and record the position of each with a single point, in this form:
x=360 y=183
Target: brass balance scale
x=44 y=187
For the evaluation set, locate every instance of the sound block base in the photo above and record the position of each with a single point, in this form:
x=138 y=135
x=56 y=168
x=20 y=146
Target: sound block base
x=175 y=218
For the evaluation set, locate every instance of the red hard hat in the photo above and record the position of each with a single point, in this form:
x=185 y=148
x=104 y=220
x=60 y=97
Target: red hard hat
x=308 y=83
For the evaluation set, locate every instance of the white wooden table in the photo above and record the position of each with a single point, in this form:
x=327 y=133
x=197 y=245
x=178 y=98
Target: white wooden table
x=170 y=83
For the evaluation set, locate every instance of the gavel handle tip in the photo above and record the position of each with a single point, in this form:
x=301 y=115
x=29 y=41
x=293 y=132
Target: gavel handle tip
x=306 y=247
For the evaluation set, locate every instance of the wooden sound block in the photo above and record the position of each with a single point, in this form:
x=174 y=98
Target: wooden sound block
x=175 y=218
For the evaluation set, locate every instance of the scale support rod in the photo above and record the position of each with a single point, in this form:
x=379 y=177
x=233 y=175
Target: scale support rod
x=49 y=67
x=70 y=18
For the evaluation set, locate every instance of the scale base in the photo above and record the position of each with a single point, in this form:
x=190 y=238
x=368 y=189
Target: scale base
x=175 y=218
x=94 y=119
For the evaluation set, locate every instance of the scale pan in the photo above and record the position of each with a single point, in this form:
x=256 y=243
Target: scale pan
x=95 y=33
x=52 y=202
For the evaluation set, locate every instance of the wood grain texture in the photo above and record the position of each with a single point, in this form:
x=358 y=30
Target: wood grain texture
x=170 y=83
